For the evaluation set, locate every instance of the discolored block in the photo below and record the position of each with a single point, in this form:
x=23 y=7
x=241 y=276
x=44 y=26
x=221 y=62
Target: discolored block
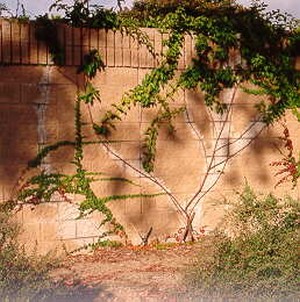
x=43 y=55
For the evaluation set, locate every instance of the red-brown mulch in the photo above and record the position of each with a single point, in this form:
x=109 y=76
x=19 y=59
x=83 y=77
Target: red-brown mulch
x=131 y=273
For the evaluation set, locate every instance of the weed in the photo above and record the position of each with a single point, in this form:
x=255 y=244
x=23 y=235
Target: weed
x=256 y=255
x=25 y=277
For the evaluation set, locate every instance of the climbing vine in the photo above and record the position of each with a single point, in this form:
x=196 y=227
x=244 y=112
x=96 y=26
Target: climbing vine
x=44 y=186
x=266 y=43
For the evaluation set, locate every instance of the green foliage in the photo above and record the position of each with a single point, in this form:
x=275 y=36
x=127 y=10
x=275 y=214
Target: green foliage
x=92 y=63
x=105 y=244
x=265 y=43
x=80 y=14
x=45 y=151
x=166 y=116
x=148 y=94
x=44 y=186
x=20 y=274
x=290 y=163
x=46 y=31
x=260 y=257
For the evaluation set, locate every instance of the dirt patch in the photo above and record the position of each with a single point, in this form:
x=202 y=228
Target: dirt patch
x=131 y=273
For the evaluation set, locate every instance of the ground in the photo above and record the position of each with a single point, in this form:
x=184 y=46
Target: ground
x=131 y=273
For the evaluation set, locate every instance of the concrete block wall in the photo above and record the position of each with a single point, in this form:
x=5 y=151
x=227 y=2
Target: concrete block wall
x=36 y=109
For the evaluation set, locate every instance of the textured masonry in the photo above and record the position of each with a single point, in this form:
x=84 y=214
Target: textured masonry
x=36 y=109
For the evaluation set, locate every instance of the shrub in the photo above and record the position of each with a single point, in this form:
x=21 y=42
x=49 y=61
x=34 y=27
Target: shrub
x=25 y=277
x=256 y=255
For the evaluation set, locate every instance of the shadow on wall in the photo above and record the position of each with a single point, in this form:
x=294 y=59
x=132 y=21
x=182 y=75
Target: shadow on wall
x=244 y=113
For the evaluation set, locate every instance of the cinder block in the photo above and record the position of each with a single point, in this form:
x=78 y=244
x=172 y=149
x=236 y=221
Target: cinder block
x=87 y=228
x=110 y=45
x=127 y=132
x=164 y=167
x=126 y=53
x=33 y=54
x=68 y=211
x=146 y=59
x=158 y=44
x=74 y=244
x=128 y=150
x=25 y=38
x=69 y=46
x=93 y=39
x=42 y=213
x=123 y=78
x=66 y=230
x=31 y=233
x=188 y=50
x=49 y=231
x=16 y=42
x=102 y=36
x=10 y=93
x=12 y=113
x=6 y=42
x=133 y=207
x=31 y=93
x=119 y=49
x=42 y=53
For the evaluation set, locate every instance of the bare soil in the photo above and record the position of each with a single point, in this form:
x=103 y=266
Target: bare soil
x=131 y=273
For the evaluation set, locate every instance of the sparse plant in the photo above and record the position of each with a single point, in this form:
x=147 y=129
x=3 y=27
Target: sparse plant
x=25 y=275
x=289 y=164
x=256 y=256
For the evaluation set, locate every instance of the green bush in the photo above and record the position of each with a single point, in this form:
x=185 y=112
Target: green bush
x=25 y=277
x=256 y=255
x=20 y=274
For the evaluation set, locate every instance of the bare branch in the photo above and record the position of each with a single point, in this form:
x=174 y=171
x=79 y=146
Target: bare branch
x=198 y=196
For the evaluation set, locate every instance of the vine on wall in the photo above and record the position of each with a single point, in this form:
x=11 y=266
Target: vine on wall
x=44 y=186
x=266 y=44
